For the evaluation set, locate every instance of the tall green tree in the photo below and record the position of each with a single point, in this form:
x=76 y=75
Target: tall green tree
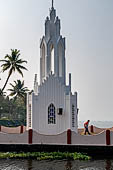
x=12 y=63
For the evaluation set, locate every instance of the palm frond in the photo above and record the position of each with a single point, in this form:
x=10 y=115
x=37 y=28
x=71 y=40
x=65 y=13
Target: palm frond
x=21 y=67
x=20 y=61
x=6 y=68
x=4 y=61
x=18 y=69
x=15 y=53
x=8 y=57
x=12 y=94
x=10 y=90
x=12 y=85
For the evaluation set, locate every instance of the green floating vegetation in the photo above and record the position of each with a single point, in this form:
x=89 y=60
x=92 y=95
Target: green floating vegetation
x=45 y=155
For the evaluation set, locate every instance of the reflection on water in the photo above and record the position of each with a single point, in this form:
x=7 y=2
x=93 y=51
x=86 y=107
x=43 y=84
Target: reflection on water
x=108 y=165
x=6 y=164
x=68 y=165
x=30 y=164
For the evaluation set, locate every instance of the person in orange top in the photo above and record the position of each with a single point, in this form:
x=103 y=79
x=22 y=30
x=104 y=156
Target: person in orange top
x=86 y=124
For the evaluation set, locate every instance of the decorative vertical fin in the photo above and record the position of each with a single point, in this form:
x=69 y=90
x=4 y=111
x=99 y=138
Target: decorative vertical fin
x=35 y=84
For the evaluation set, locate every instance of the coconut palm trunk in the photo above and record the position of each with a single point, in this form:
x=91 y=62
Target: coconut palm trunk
x=5 y=83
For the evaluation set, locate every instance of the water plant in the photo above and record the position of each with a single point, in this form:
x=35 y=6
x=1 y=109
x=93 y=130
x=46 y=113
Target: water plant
x=45 y=155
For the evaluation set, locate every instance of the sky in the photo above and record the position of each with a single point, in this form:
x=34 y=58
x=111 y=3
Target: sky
x=88 y=28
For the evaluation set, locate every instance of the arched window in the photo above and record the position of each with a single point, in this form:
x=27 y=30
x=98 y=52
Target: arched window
x=51 y=114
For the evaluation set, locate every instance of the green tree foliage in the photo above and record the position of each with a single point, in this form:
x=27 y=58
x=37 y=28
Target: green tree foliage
x=11 y=109
x=18 y=90
x=12 y=63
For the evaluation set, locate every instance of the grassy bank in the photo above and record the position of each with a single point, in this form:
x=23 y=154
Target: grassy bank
x=44 y=155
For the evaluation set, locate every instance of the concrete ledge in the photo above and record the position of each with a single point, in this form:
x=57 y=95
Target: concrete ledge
x=94 y=151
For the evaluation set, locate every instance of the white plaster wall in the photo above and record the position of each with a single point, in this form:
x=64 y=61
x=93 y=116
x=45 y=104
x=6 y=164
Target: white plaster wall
x=49 y=139
x=14 y=138
x=99 y=139
x=51 y=91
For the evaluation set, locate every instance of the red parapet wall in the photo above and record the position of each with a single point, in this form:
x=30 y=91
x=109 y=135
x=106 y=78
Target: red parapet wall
x=69 y=136
x=21 y=129
x=30 y=136
x=108 y=137
x=91 y=129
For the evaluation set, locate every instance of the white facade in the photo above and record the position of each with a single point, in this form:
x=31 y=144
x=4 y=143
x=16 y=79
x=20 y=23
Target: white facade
x=51 y=108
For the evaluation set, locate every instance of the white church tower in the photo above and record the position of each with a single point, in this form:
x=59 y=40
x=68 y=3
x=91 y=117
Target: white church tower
x=51 y=107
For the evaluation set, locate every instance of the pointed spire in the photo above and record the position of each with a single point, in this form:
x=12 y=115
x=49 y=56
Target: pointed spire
x=52 y=12
x=52 y=4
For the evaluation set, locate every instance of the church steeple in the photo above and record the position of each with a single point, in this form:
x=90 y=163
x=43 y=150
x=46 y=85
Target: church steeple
x=52 y=49
x=51 y=107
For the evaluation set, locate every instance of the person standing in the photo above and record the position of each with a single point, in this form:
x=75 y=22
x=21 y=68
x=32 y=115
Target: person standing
x=86 y=124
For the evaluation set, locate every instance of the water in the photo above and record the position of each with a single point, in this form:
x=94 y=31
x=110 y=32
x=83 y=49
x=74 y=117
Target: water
x=100 y=124
x=56 y=165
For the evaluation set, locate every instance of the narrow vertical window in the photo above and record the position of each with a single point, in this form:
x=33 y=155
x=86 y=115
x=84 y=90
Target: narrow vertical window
x=60 y=60
x=43 y=60
x=52 y=59
x=51 y=114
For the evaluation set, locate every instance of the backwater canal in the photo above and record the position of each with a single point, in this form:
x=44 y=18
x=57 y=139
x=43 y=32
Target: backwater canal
x=8 y=164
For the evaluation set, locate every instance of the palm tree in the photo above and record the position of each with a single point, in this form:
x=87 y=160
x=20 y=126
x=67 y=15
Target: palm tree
x=18 y=90
x=12 y=62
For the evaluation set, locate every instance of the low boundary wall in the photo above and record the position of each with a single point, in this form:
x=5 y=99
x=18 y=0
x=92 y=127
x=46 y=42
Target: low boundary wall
x=94 y=129
x=19 y=129
x=14 y=138
x=105 y=138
